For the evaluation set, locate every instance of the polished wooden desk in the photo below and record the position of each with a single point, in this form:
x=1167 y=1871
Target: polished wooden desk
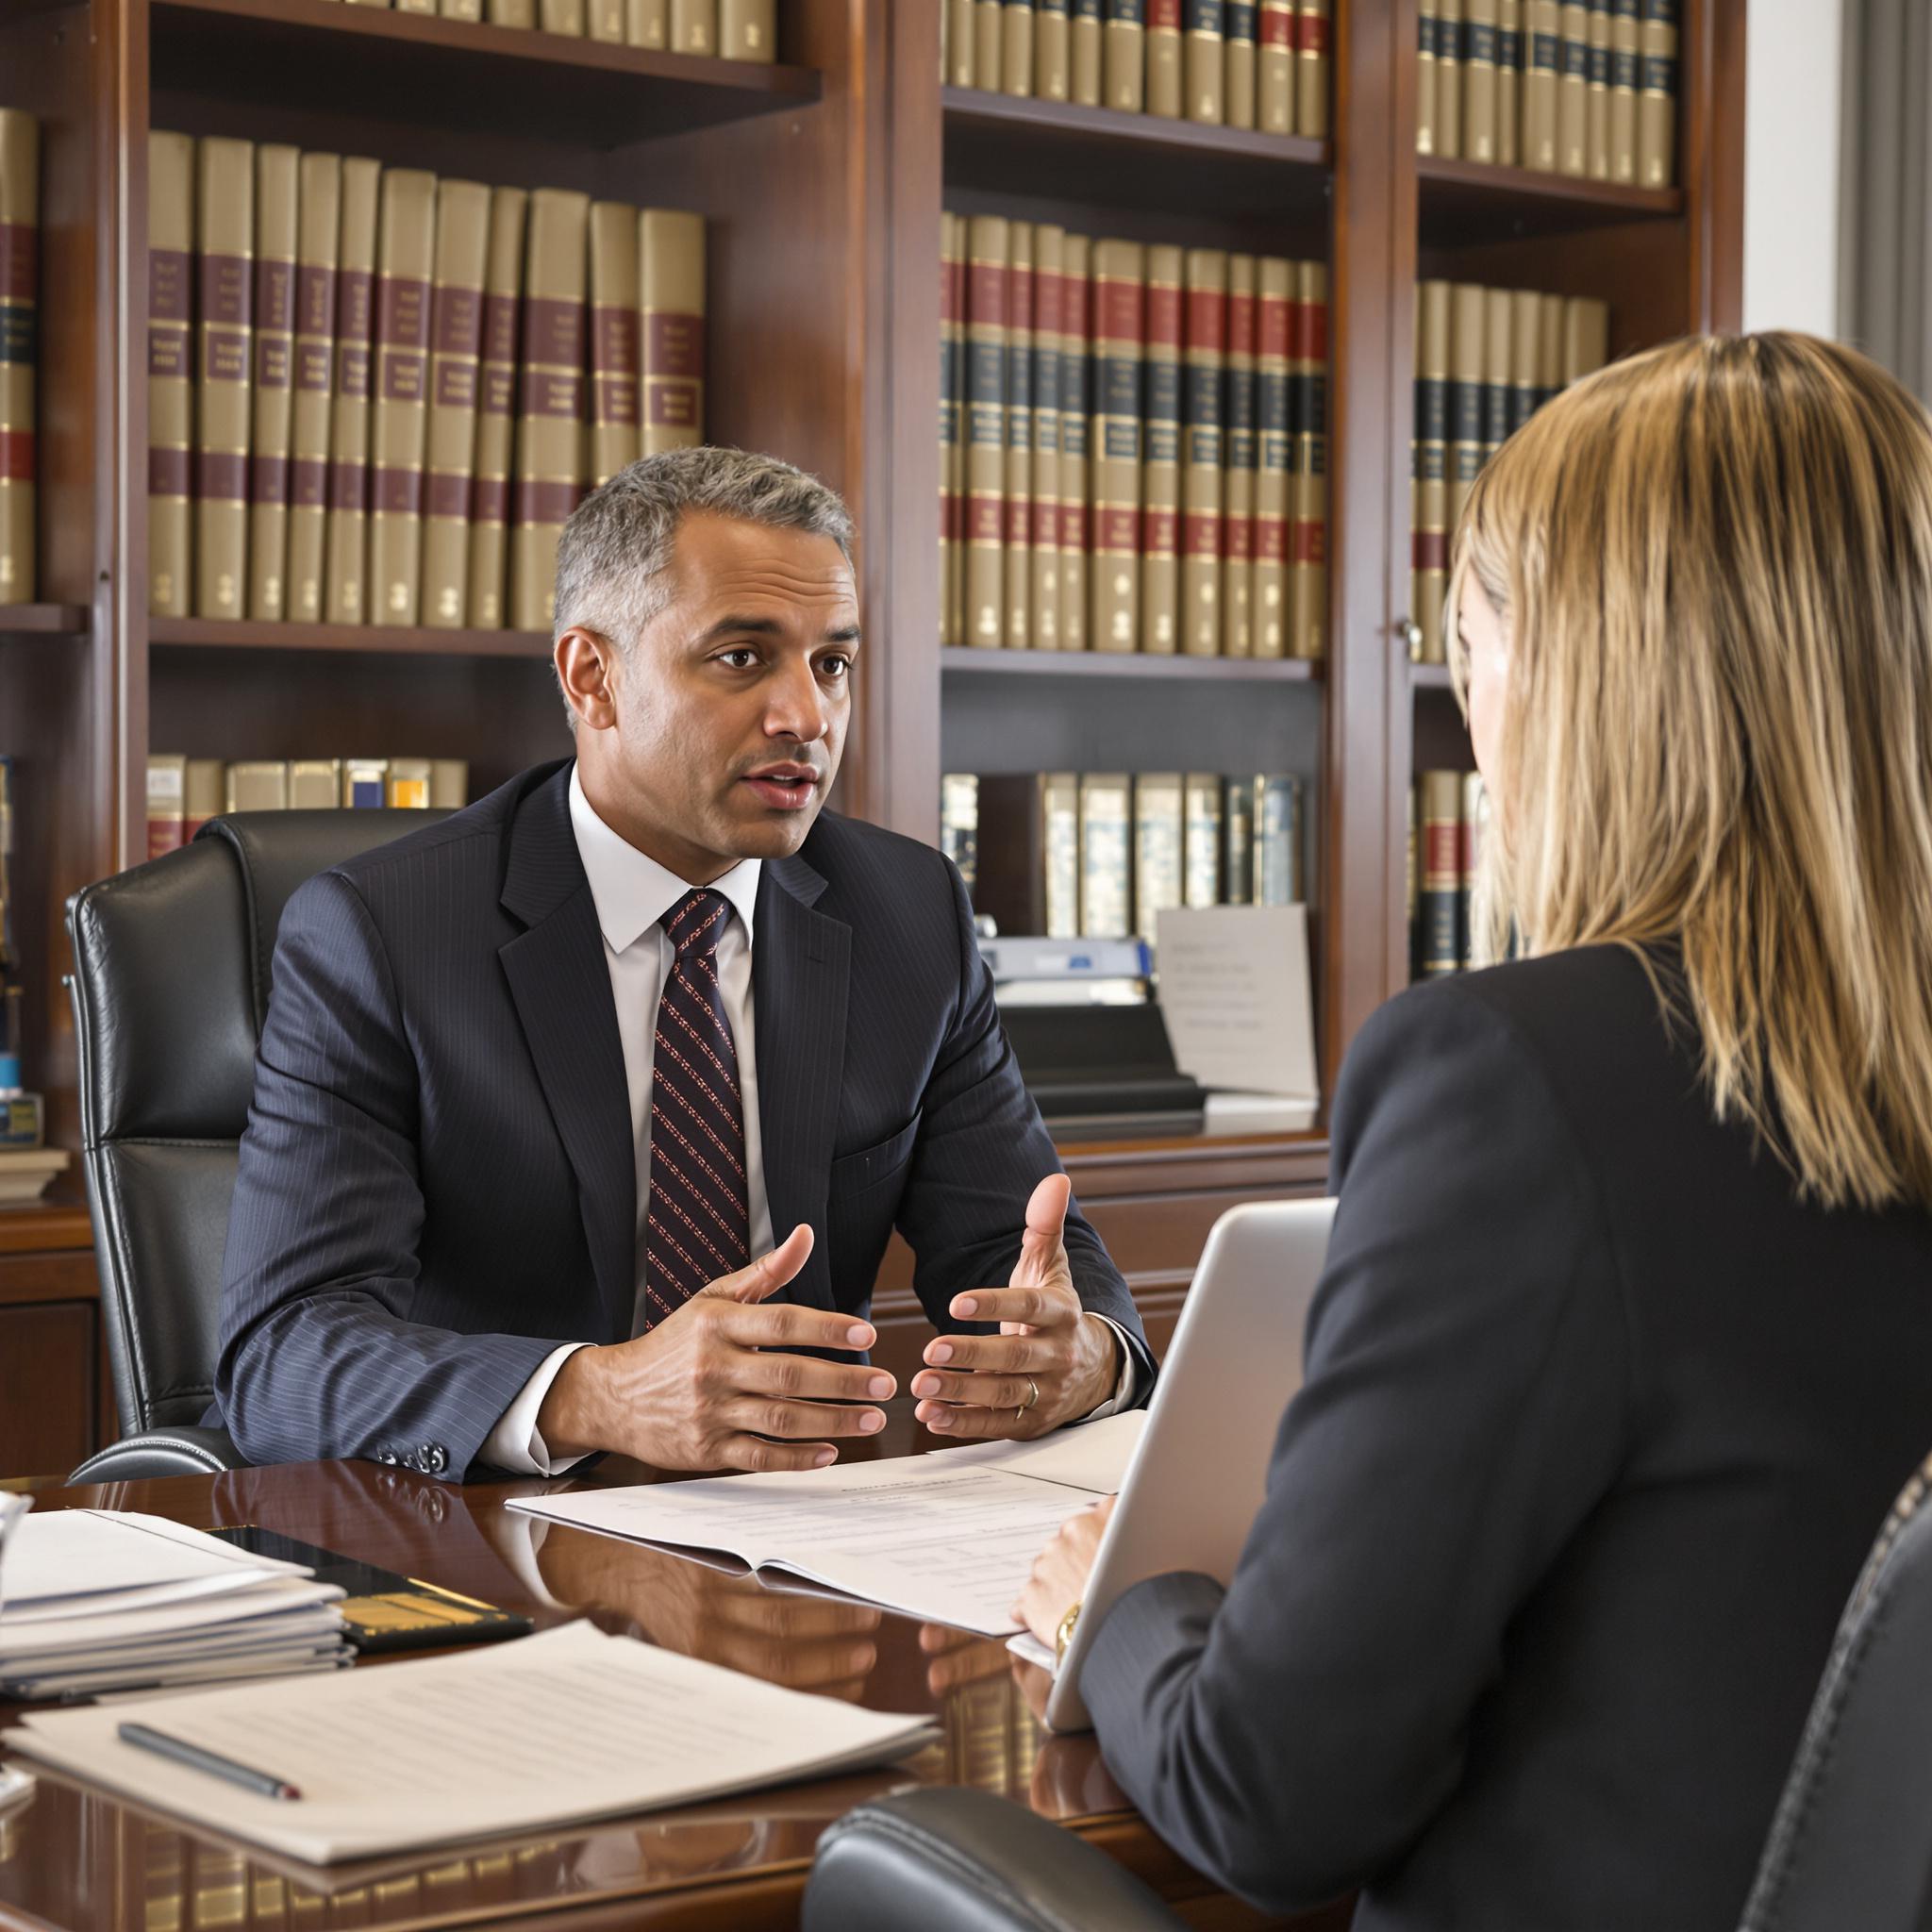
x=81 y=1861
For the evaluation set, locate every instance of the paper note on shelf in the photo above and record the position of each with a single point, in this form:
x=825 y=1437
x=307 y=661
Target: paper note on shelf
x=1234 y=991
x=550 y=1730
x=950 y=1537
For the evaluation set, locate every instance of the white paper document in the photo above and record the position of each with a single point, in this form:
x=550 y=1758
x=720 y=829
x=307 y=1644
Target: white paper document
x=73 y=1562
x=551 y=1730
x=1234 y=992
x=949 y=1537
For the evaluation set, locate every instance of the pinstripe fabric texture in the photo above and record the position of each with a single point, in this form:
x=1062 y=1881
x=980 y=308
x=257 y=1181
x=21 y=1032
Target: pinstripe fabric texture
x=438 y=1183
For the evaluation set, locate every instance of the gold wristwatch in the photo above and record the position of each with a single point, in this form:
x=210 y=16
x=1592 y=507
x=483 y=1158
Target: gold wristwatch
x=1064 y=1634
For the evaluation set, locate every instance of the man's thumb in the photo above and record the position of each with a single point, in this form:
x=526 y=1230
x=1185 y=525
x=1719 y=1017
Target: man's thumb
x=1046 y=1220
x=769 y=1272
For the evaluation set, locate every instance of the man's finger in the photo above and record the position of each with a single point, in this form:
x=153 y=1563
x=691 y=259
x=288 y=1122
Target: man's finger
x=767 y=1415
x=804 y=1379
x=1037 y=1307
x=1004 y=1354
x=755 y=1453
x=782 y=1326
x=976 y=1425
x=976 y=1391
x=1046 y=1222
x=769 y=1272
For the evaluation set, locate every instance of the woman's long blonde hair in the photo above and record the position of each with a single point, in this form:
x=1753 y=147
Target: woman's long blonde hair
x=1715 y=563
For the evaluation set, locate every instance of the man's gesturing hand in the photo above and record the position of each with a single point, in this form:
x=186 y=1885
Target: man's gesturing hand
x=700 y=1391
x=984 y=1385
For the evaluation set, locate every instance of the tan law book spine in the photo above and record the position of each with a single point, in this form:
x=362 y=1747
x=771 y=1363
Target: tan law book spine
x=550 y=400
x=1274 y=453
x=1049 y=249
x=987 y=242
x=604 y=19
x=647 y=24
x=224 y=223
x=1309 y=563
x=1586 y=337
x=1625 y=34
x=1427 y=24
x=405 y=262
x=1086 y=36
x=748 y=29
x=521 y=14
x=408 y=5
x=1205 y=61
x=1204 y=353
x=1161 y=456
x=1274 y=86
x=1449 y=78
x=1201 y=839
x=170 y=372
x=1120 y=301
x=951 y=347
x=1124 y=55
x=694 y=26
x=449 y=784
x=616 y=437
x=1479 y=80
x=1241 y=450
x=456 y=355
x=1572 y=91
x=1016 y=48
x=1313 y=61
x=957 y=66
x=1107 y=828
x=1160 y=835
x=1543 y=59
x=1467 y=319
x=315 y=784
x=1076 y=437
x=1052 y=79
x=1017 y=594
x=1549 y=347
x=1429 y=547
x=484 y=605
x=204 y=792
x=1239 y=56
x=1597 y=106
x=20 y=229
x=1166 y=86
x=461 y=10
x=987 y=29
x=1508 y=82
x=1657 y=98
x=563 y=17
x=671 y=271
x=259 y=784
x=278 y=174
x=346 y=596
x=1525 y=307
x=318 y=234
x=1498 y=334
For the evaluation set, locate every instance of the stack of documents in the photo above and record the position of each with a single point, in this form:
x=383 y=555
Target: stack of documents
x=95 y=1600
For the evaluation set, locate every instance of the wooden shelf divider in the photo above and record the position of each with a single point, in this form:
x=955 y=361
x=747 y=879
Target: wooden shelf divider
x=386 y=639
x=970 y=662
x=42 y=621
x=1465 y=202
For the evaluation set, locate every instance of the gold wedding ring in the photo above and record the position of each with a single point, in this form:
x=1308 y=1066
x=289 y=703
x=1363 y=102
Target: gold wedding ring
x=1020 y=1412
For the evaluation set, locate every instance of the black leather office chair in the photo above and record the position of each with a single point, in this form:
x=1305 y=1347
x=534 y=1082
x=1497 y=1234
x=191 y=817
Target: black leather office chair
x=1851 y=1845
x=169 y=984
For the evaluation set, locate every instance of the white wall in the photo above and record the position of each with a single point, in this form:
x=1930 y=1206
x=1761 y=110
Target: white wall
x=1794 y=59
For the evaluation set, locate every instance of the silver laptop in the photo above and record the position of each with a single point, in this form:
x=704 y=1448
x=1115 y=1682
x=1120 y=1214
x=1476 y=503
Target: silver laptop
x=1197 y=1478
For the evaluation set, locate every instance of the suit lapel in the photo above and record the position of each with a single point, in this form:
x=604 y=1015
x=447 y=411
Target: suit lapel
x=561 y=987
x=801 y=960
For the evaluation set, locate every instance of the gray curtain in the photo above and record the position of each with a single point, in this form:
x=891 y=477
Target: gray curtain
x=1884 y=304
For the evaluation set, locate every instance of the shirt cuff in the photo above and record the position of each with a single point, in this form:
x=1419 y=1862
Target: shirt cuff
x=1123 y=1390
x=514 y=1443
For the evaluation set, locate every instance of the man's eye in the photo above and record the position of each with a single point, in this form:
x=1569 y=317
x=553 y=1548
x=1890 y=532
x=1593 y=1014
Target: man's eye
x=740 y=659
x=836 y=665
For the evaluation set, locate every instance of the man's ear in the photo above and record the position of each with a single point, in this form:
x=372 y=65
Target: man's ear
x=588 y=670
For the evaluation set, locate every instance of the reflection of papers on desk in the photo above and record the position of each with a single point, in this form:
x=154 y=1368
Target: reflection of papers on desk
x=950 y=1537
x=546 y=1731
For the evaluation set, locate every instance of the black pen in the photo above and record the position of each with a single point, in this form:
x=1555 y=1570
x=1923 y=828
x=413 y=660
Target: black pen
x=210 y=1761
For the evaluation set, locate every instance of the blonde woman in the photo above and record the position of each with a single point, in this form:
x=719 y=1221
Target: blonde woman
x=1626 y=1339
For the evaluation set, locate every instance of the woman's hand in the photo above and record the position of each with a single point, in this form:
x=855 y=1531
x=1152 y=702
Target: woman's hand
x=1059 y=1576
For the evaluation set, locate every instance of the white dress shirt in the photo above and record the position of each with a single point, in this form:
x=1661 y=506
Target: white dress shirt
x=633 y=894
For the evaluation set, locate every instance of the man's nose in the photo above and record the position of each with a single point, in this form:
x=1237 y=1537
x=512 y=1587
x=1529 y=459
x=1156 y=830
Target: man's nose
x=797 y=707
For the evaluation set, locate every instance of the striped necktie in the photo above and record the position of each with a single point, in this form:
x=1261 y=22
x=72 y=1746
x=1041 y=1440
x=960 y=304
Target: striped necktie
x=698 y=1226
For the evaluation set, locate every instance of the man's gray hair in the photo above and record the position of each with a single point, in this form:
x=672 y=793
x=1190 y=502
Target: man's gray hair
x=612 y=558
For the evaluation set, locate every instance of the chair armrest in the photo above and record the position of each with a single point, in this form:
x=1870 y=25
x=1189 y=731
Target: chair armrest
x=949 y=1859
x=179 y=1449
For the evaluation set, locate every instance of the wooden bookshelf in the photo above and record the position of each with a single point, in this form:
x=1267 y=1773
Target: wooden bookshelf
x=968 y=663
x=42 y=621
x=382 y=638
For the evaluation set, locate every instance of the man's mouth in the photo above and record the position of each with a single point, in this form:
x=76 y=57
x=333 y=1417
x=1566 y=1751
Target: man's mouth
x=784 y=787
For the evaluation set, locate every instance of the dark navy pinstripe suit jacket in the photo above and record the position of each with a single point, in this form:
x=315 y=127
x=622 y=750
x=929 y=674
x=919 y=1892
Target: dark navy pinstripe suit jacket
x=437 y=1182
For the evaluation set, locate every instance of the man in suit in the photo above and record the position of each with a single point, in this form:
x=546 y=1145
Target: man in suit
x=540 y=1084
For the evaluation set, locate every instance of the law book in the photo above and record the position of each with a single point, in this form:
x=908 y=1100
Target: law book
x=406 y=6
x=1657 y=98
x=951 y=348
x=615 y=374
x=167 y=780
x=1017 y=482
x=646 y=24
x=315 y=784
x=671 y=267
x=1013 y=856
x=1166 y=85
x=1508 y=82
x=955 y=616
x=1573 y=90
x=1549 y=347
x=318 y=231
x=1586 y=337
x=1430 y=558
x=365 y=784
x=1016 y=47
x=694 y=26
x=1122 y=51
x=1160 y=455
x=1239 y=50
x=1201 y=839
x=1427 y=27
x=485 y=606
x=562 y=17
x=1204 y=61
x=224 y=226
x=1449 y=78
x=1312 y=61
x=344 y=595
x=1275 y=82
x=1441 y=872
x=1077 y=404
x=987 y=29
x=203 y=794
x=1106 y=900
x=455 y=354
x=405 y=262
x=748 y=29
x=521 y=14
x=1498 y=335
x=1308 y=580
x=20 y=230
x=1120 y=325
x=988 y=244
x=1525 y=308
x=1543 y=47
x=1412 y=880
x=1597 y=108
x=278 y=177
x=1237 y=842
x=1241 y=449
x=1086 y=36
x=1204 y=353
x=1274 y=456
x=449 y=783
x=960 y=824
x=1052 y=51
x=1472 y=822
x=1467 y=320
x=1159 y=836
x=550 y=399
x=1479 y=80
x=1062 y=880
x=956 y=56
x=1043 y=620
x=461 y=10
x=1625 y=33
x=407 y=785
x=257 y=785
x=1277 y=869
